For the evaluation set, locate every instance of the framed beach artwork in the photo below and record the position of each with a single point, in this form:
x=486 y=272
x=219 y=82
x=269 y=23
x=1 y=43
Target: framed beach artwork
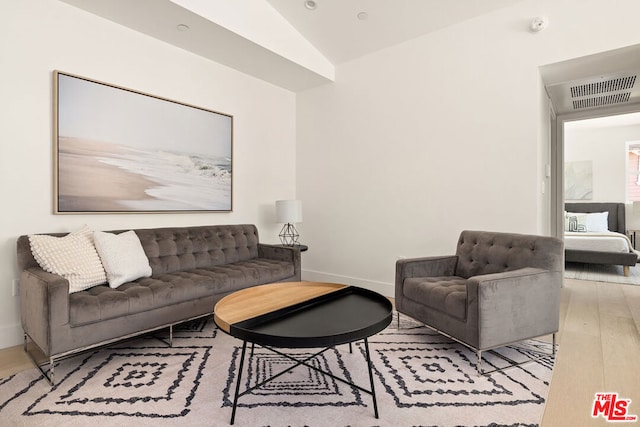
x=121 y=151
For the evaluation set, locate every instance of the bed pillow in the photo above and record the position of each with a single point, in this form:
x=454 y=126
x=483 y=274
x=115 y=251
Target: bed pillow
x=73 y=257
x=123 y=257
x=598 y=221
x=595 y=222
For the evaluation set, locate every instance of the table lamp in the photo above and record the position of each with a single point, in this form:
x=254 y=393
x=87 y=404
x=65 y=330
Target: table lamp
x=289 y=212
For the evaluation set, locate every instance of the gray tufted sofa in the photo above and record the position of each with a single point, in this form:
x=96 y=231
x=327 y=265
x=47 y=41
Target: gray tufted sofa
x=192 y=268
x=498 y=289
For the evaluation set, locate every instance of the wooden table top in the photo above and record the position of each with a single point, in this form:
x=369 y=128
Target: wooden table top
x=257 y=300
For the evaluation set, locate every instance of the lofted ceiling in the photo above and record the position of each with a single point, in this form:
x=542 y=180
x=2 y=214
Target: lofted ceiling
x=347 y=29
x=292 y=46
x=283 y=41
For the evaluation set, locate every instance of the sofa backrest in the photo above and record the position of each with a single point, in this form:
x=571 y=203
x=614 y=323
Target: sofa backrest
x=180 y=248
x=186 y=248
x=485 y=252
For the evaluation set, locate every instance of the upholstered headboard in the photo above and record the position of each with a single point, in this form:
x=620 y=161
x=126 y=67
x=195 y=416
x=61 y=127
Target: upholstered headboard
x=616 y=213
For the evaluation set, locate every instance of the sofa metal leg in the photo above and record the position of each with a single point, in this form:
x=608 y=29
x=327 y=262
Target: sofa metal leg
x=479 y=364
x=49 y=374
x=169 y=340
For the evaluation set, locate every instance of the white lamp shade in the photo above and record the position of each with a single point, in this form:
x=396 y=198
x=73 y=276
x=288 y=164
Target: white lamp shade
x=288 y=211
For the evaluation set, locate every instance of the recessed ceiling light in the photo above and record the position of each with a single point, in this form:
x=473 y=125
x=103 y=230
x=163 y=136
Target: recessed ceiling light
x=363 y=16
x=310 y=4
x=182 y=27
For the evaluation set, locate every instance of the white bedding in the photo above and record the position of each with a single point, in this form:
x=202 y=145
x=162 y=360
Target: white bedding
x=608 y=241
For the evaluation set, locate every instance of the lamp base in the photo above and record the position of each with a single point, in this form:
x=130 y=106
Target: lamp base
x=289 y=235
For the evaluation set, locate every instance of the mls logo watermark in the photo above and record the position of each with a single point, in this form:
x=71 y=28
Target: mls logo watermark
x=612 y=408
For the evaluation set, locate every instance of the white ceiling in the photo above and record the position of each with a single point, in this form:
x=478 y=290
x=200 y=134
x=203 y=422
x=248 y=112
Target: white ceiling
x=285 y=43
x=333 y=30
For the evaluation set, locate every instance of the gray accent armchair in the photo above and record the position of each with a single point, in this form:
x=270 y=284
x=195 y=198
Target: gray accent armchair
x=498 y=289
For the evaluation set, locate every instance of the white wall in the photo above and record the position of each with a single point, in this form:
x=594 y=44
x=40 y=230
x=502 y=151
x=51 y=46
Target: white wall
x=606 y=149
x=39 y=36
x=445 y=132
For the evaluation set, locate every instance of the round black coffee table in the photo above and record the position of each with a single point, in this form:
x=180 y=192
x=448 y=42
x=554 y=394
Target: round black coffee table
x=303 y=315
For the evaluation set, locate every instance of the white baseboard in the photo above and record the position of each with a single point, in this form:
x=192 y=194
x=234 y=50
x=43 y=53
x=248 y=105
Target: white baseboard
x=11 y=335
x=386 y=289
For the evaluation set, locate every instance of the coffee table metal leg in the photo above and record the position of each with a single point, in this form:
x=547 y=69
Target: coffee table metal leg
x=373 y=390
x=235 y=397
x=302 y=362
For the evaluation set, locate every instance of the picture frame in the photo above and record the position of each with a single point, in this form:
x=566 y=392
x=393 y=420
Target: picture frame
x=117 y=150
x=578 y=180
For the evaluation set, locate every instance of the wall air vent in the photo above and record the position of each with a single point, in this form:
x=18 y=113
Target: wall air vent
x=605 y=90
x=612 y=85
x=601 y=101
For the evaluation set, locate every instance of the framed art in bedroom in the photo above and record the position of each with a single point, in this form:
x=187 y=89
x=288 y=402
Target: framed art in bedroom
x=117 y=150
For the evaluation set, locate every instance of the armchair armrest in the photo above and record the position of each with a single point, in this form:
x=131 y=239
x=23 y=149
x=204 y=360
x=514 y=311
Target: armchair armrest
x=426 y=267
x=44 y=304
x=282 y=253
x=514 y=305
x=422 y=267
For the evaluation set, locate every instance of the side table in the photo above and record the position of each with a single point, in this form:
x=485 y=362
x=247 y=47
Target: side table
x=299 y=246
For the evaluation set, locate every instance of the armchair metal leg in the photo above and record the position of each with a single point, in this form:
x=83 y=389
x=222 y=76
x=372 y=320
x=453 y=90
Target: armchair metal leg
x=513 y=364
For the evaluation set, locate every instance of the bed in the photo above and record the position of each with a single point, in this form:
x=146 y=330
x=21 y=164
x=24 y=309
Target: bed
x=598 y=245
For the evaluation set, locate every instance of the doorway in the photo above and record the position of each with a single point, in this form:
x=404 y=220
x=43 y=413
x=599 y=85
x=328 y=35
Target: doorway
x=628 y=114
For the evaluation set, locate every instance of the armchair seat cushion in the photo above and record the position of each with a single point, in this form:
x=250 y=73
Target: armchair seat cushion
x=446 y=294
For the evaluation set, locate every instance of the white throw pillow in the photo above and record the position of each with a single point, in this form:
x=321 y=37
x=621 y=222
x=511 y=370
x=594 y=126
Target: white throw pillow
x=575 y=222
x=122 y=256
x=594 y=222
x=73 y=257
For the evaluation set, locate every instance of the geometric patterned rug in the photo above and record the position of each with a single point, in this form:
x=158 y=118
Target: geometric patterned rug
x=421 y=378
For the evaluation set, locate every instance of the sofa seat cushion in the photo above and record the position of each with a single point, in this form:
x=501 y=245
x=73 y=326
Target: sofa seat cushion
x=102 y=302
x=445 y=294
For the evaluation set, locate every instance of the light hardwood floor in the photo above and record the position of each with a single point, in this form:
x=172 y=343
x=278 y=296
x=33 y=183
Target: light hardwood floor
x=599 y=351
x=599 y=342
